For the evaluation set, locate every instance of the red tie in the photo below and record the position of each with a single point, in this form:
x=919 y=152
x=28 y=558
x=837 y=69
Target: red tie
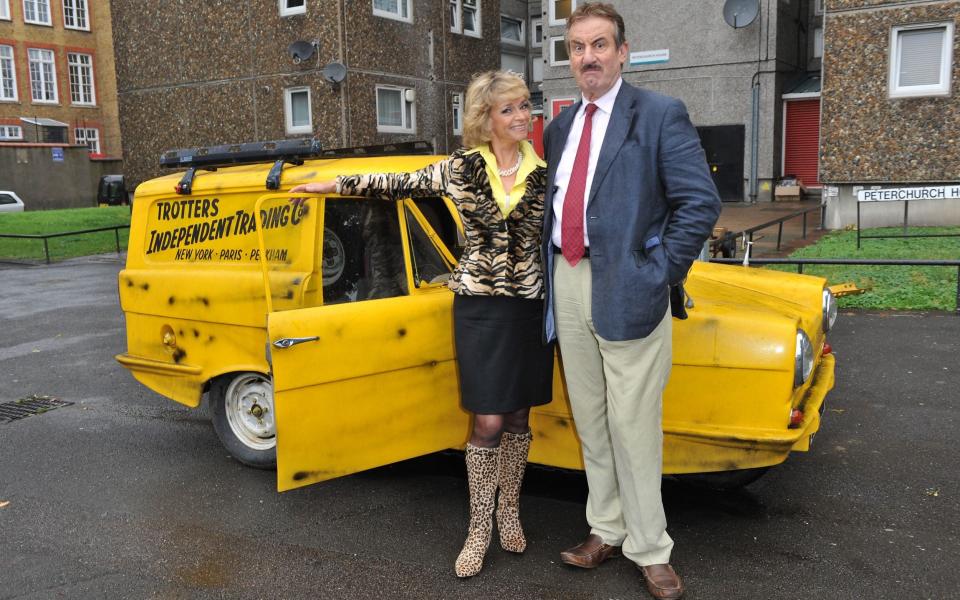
x=571 y=224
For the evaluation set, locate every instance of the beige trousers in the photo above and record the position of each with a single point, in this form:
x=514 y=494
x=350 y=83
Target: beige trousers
x=616 y=393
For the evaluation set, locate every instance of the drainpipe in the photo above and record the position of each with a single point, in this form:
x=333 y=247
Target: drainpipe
x=754 y=135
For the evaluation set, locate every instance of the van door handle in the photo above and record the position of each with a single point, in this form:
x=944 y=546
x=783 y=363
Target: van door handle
x=288 y=342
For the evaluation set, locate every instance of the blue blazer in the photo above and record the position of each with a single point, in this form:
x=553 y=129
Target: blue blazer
x=652 y=205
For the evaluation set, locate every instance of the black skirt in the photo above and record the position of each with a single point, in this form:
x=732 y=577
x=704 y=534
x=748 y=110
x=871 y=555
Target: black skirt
x=502 y=361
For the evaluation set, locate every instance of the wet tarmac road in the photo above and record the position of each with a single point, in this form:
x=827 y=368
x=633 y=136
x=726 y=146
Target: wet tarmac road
x=125 y=494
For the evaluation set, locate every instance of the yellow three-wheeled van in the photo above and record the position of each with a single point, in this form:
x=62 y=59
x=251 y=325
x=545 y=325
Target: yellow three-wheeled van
x=323 y=335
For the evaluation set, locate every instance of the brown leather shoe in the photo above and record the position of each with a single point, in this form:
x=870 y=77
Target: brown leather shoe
x=663 y=582
x=589 y=553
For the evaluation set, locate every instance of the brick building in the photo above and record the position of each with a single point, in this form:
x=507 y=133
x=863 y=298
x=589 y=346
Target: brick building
x=224 y=71
x=891 y=111
x=57 y=81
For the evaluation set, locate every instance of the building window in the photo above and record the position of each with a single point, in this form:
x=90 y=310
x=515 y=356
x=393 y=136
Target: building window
x=8 y=74
x=89 y=137
x=76 y=14
x=81 y=79
x=514 y=62
x=395 y=110
x=10 y=132
x=536 y=33
x=456 y=102
x=511 y=30
x=43 y=78
x=558 y=51
x=299 y=115
x=921 y=58
x=465 y=17
x=536 y=71
x=559 y=10
x=5 y=10
x=393 y=9
x=817 y=42
x=37 y=12
x=292 y=7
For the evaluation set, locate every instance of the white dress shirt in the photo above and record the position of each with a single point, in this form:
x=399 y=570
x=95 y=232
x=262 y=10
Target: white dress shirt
x=601 y=118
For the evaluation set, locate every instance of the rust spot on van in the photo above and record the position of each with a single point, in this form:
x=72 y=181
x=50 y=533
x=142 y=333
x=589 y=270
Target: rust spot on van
x=210 y=339
x=129 y=283
x=563 y=423
x=144 y=286
x=171 y=300
x=402 y=332
x=288 y=295
x=204 y=300
x=196 y=333
x=178 y=355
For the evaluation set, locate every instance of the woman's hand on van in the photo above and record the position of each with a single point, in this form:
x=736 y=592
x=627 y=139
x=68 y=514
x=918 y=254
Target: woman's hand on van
x=317 y=187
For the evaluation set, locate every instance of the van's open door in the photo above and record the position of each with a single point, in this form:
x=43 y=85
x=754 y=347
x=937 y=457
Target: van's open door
x=369 y=379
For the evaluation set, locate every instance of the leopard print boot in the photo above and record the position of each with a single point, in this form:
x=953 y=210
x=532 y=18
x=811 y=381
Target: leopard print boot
x=514 y=448
x=482 y=479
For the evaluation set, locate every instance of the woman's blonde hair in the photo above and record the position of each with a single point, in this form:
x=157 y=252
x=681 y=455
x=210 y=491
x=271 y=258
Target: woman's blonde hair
x=484 y=92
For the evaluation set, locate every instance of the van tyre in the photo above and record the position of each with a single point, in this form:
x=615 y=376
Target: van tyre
x=242 y=411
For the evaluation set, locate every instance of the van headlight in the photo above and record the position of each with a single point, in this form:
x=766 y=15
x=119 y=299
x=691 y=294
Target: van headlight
x=803 y=360
x=829 y=310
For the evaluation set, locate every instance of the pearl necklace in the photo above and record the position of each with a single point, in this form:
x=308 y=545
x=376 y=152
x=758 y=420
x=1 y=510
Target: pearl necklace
x=513 y=169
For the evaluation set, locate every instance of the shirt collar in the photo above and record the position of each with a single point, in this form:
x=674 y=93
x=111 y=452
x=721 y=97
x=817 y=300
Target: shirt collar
x=604 y=102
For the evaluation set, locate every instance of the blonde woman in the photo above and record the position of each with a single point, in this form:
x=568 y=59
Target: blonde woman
x=497 y=183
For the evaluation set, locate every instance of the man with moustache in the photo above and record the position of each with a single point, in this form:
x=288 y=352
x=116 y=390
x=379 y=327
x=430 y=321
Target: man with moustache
x=632 y=204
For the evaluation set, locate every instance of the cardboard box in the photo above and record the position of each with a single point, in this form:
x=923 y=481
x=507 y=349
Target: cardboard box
x=787 y=190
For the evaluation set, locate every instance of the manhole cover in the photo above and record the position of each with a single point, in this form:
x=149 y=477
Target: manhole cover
x=31 y=405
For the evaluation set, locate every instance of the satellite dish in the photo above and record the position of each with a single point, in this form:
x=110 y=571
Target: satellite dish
x=740 y=13
x=300 y=51
x=334 y=72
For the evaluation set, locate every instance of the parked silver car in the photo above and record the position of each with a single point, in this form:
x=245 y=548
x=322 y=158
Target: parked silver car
x=10 y=202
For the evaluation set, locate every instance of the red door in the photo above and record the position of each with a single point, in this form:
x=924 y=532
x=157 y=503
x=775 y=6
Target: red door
x=802 y=140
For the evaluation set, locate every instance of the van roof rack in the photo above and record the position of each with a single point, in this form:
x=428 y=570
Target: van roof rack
x=280 y=151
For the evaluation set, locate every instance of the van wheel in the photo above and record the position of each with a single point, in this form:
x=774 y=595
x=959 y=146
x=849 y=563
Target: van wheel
x=243 y=417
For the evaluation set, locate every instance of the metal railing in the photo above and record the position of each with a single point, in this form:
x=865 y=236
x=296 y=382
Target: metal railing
x=47 y=236
x=729 y=239
x=800 y=262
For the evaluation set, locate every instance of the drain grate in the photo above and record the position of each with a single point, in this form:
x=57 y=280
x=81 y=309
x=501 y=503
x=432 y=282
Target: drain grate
x=31 y=405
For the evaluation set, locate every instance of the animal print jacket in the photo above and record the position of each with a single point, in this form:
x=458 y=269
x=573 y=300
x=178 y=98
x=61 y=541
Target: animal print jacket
x=502 y=254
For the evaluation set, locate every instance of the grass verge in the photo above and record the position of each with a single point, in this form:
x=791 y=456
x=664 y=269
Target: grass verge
x=60 y=221
x=891 y=288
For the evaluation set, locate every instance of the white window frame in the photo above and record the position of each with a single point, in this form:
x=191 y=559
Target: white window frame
x=396 y=16
x=553 y=55
x=456 y=111
x=818 y=7
x=534 y=25
x=89 y=134
x=288 y=110
x=457 y=25
x=946 y=63
x=552 y=12
x=36 y=4
x=75 y=64
x=478 y=32
x=405 y=94
x=818 y=42
x=81 y=12
x=10 y=133
x=43 y=77
x=522 y=42
x=287 y=11
x=10 y=63
x=5 y=10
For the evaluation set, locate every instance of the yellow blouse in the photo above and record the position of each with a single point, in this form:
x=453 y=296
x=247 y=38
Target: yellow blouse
x=528 y=163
